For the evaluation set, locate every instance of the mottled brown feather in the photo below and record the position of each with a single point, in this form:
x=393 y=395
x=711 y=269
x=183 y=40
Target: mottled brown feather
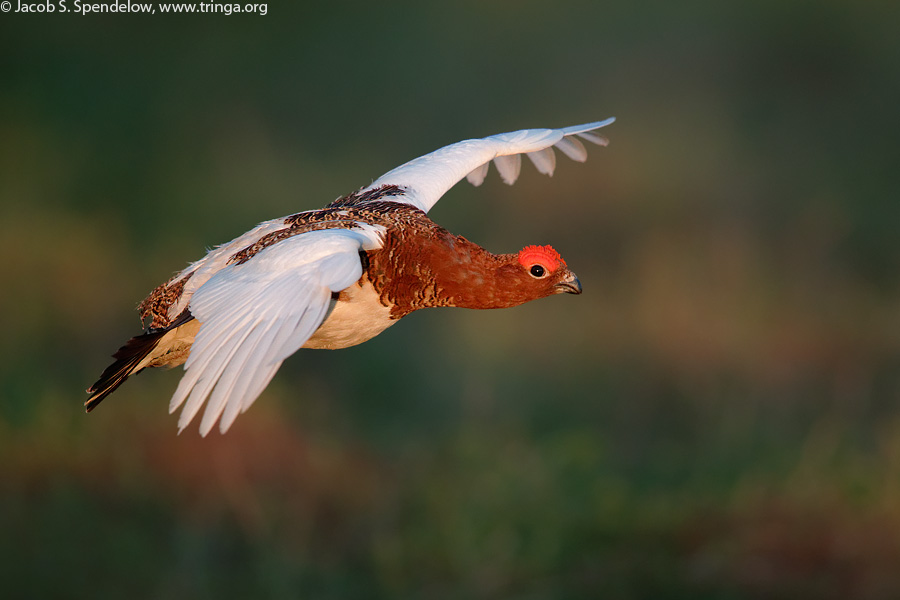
x=155 y=307
x=360 y=197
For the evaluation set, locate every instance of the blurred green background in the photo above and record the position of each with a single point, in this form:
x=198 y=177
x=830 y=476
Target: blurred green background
x=717 y=416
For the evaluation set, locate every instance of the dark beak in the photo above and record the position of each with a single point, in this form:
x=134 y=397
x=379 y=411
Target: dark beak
x=569 y=285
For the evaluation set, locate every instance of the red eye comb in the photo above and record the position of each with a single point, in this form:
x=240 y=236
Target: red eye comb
x=545 y=256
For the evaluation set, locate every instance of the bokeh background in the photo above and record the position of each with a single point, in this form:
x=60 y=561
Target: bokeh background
x=717 y=416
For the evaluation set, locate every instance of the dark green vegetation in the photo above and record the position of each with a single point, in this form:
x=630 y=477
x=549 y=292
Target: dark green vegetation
x=717 y=416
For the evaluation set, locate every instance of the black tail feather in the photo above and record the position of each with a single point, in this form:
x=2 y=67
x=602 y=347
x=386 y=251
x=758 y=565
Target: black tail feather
x=127 y=359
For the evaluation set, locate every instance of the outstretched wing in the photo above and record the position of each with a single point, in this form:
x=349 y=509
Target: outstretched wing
x=427 y=178
x=256 y=314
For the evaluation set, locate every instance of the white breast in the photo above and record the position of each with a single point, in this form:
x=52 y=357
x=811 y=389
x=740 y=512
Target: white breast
x=356 y=317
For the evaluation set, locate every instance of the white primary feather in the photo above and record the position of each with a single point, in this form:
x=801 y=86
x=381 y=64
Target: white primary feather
x=477 y=175
x=427 y=178
x=544 y=160
x=256 y=314
x=509 y=167
x=572 y=148
x=593 y=138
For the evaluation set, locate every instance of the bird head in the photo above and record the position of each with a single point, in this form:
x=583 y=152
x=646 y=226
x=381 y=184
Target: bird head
x=535 y=272
x=546 y=271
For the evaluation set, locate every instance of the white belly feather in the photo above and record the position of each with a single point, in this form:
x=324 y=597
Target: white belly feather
x=358 y=315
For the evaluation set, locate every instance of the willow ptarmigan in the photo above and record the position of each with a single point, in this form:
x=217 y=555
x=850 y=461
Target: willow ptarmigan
x=336 y=277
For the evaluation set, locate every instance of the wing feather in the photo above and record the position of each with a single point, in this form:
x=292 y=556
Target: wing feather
x=255 y=314
x=544 y=160
x=572 y=148
x=213 y=377
x=509 y=167
x=237 y=364
x=593 y=138
x=259 y=378
x=476 y=176
x=427 y=178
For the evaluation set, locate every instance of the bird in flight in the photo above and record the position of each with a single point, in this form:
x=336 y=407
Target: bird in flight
x=338 y=276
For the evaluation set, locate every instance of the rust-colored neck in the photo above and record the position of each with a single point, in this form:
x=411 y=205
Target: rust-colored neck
x=427 y=266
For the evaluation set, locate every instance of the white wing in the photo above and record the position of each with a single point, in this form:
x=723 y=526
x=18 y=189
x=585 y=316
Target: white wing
x=428 y=177
x=256 y=314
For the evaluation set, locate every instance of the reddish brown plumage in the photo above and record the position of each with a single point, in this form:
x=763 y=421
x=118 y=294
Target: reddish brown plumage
x=423 y=265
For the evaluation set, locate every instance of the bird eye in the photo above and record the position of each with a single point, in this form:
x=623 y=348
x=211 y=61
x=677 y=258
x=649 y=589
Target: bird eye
x=536 y=271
